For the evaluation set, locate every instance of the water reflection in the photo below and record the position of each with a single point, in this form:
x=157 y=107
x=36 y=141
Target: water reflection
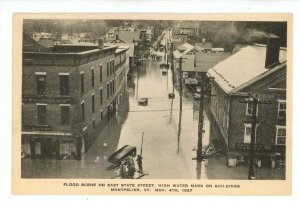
x=169 y=134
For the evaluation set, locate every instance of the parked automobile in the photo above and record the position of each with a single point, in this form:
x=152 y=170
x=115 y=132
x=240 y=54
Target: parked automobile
x=122 y=154
x=171 y=95
x=143 y=101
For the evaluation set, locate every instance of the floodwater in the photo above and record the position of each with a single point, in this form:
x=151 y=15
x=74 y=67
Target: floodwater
x=169 y=137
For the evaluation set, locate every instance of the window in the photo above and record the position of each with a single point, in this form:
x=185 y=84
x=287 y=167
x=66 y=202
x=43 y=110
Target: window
x=280 y=135
x=82 y=82
x=110 y=68
x=94 y=124
x=93 y=77
x=249 y=109
x=82 y=112
x=64 y=84
x=65 y=114
x=101 y=78
x=101 y=96
x=247 y=133
x=113 y=86
x=107 y=69
x=110 y=87
x=93 y=103
x=101 y=115
x=41 y=84
x=281 y=109
x=107 y=90
x=42 y=114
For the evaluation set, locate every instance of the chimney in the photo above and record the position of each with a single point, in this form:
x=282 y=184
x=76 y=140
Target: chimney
x=100 y=43
x=272 y=52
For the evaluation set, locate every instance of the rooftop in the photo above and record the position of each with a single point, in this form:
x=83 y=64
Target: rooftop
x=244 y=68
x=205 y=61
x=188 y=63
x=68 y=55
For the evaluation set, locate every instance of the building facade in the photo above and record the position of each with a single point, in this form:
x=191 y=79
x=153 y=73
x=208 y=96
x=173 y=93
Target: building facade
x=67 y=94
x=259 y=70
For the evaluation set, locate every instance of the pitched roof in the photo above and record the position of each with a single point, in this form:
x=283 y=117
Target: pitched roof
x=188 y=48
x=244 y=68
x=238 y=47
x=176 y=54
x=205 y=61
x=181 y=48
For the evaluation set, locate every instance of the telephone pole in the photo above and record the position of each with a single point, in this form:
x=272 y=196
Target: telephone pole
x=200 y=125
x=180 y=82
x=254 y=120
x=253 y=131
x=204 y=82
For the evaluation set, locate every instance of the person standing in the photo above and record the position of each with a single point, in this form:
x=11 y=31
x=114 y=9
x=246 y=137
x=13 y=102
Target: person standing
x=122 y=170
x=139 y=161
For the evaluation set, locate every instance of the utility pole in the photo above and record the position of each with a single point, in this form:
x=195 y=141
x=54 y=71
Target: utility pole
x=254 y=120
x=200 y=124
x=204 y=82
x=180 y=82
x=172 y=66
x=253 y=131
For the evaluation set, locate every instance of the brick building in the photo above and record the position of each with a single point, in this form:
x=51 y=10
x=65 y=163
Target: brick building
x=66 y=94
x=260 y=70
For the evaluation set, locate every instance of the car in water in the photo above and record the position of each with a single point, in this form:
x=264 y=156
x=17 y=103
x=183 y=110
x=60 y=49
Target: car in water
x=143 y=101
x=123 y=153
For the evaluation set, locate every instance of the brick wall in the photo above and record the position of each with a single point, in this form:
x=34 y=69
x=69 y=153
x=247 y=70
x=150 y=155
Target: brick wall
x=219 y=105
x=29 y=86
x=29 y=116
x=267 y=113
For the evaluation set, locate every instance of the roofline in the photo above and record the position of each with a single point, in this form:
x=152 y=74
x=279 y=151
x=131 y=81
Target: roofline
x=83 y=53
x=119 y=50
x=264 y=45
x=257 y=78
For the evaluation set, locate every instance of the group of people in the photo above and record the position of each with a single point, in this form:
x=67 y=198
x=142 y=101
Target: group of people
x=127 y=168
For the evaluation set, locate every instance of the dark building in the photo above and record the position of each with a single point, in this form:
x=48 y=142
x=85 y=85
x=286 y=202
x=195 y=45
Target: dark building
x=259 y=70
x=66 y=94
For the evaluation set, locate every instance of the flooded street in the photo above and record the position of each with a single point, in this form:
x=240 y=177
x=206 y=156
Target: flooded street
x=169 y=137
x=168 y=140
